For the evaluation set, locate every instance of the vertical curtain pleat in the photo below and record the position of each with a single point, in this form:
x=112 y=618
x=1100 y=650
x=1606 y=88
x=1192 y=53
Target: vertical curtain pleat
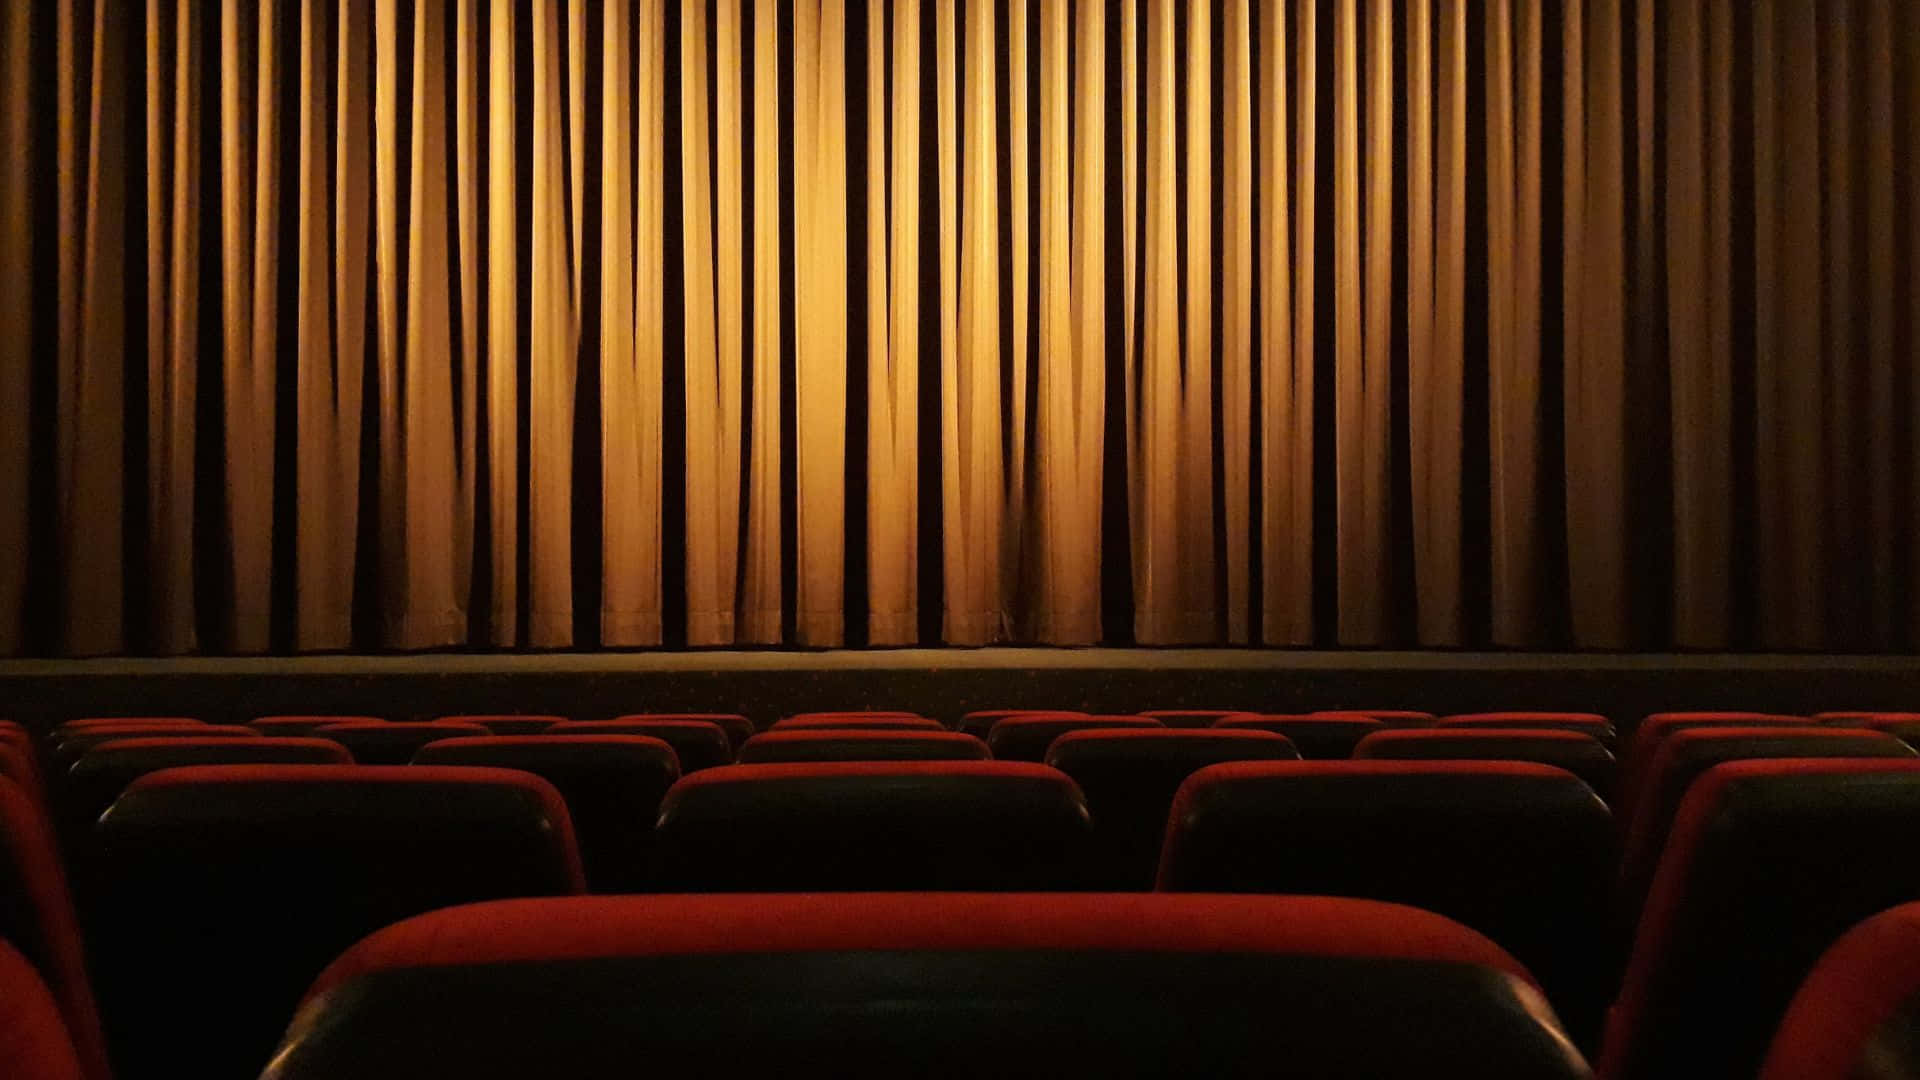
x=1236 y=303
x=1361 y=525
x=760 y=600
x=1881 y=469
x=16 y=313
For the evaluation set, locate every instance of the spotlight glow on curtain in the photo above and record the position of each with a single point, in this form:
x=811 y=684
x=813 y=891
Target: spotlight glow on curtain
x=334 y=324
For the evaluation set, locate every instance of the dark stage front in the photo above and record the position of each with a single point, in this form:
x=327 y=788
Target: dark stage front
x=945 y=683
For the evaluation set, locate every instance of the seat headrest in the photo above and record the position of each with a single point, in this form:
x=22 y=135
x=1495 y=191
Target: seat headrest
x=699 y=744
x=738 y=728
x=1026 y=738
x=381 y=743
x=505 y=724
x=853 y=722
x=571 y=753
x=806 y=744
x=1184 y=747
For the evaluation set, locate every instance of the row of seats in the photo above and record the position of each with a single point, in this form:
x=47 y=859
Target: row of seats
x=993 y=819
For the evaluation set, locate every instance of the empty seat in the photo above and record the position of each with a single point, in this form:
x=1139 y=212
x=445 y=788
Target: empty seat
x=926 y=984
x=89 y=722
x=980 y=722
x=304 y=725
x=1190 y=718
x=738 y=728
x=1521 y=852
x=37 y=916
x=1026 y=738
x=381 y=743
x=860 y=745
x=247 y=879
x=834 y=722
x=612 y=785
x=1644 y=741
x=699 y=744
x=1317 y=737
x=102 y=773
x=1858 y=1013
x=68 y=749
x=1585 y=723
x=1686 y=754
x=1389 y=717
x=515 y=724
x=1581 y=755
x=991 y=825
x=1866 y=719
x=1129 y=777
x=34 y=1042
x=1769 y=862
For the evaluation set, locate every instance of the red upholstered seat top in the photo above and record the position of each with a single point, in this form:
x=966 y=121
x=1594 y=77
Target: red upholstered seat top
x=1855 y=988
x=851 y=721
x=34 y=1043
x=571 y=928
x=53 y=931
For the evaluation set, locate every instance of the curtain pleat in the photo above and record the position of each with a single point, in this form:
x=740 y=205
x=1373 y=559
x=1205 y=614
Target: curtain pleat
x=1259 y=224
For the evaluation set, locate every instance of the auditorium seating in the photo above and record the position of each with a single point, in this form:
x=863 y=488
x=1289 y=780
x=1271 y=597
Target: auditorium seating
x=1189 y=718
x=926 y=984
x=242 y=882
x=1319 y=737
x=1592 y=724
x=85 y=723
x=1644 y=742
x=860 y=744
x=1582 y=755
x=1129 y=777
x=980 y=723
x=1866 y=719
x=1520 y=852
x=1858 y=1013
x=969 y=825
x=505 y=725
x=738 y=728
x=298 y=726
x=1768 y=863
x=699 y=744
x=102 y=773
x=34 y=1042
x=1389 y=717
x=612 y=785
x=853 y=722
x=1686 y=754
x=37 y=917
x=381 y=743
x=1026 y=738
x=67 y=748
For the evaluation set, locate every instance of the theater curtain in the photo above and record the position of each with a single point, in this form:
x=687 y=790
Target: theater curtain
x=331 y=324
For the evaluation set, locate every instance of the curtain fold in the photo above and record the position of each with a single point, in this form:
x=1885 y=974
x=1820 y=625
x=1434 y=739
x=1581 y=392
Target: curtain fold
x=365 y=324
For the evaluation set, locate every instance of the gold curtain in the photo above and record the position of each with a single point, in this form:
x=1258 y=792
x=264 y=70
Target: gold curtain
x=555 y=323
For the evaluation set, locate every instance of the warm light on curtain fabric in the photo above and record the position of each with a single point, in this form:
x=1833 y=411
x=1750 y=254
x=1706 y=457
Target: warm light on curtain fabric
x=333 y=324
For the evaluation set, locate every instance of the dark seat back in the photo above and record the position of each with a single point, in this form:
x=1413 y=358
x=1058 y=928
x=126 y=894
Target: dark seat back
x=837 y=722
x=300 y=726
x=515 y=724
x=1585 y=723
x=699 y=744
x=738 y=728
x=103 y=772
x=1318 y=738
x=980 y=722
x=803 y=744
x=1582 y=755
x=1027 y=738
x=381 y=743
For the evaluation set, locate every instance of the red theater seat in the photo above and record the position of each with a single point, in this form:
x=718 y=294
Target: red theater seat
x=1769 y=862
x=1858 y=1014
x=74 y=727
x=1878 y=720
x=37 y=917
x=300 y=726
x=699 y=744
x=1129 y=777
x=1585 y=723
x=980 y=723
x=240 y=882
x=793 y=745
x=993 y=825
x=612 y=785
x=506 y=725
x=837 y=722
x=1520 y=852
x=926 y=984
x=1190 y=718
x=738 y=728
x=103 y=772
x=1644 y=741
x=380 y=743
x=1027 y=738
x=1319 y=737
x=34 y=1042
x=1686 y=754
x=68 y=749
x=1395 y=718
x=1581 y=755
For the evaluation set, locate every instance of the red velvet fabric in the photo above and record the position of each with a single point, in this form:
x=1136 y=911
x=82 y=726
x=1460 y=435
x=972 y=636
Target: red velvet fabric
x=738 y=774
x=34 y=1042
x=1857 y=986
x=28 y=840
x=1248 y=770
x=852 y=722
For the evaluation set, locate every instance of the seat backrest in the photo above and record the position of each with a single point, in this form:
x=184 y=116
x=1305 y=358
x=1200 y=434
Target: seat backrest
x=699 y=744
x=1393 y=718
x=68 y=748
x=980 y=723
x=803 y=744
x=103 y=772
x=34 y=1041
x=254 y=876
x=298 y=726
x=37 y=916
x=1518 y=851
x=612 y=785
x=1582 y=755
x=738 y=728
x=1858 y=1013
x=86 y=723
x=1317 y=737
x=834 y=722
x=1645 y=739
x=515 y=724
x=1190 y=718
x=1027 y=738
x=1877 y=720
x=1769 y=862
x=947 y=984
x=1129 y=777
x=1585 y=723
x=867 y=825
x=381 y=743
